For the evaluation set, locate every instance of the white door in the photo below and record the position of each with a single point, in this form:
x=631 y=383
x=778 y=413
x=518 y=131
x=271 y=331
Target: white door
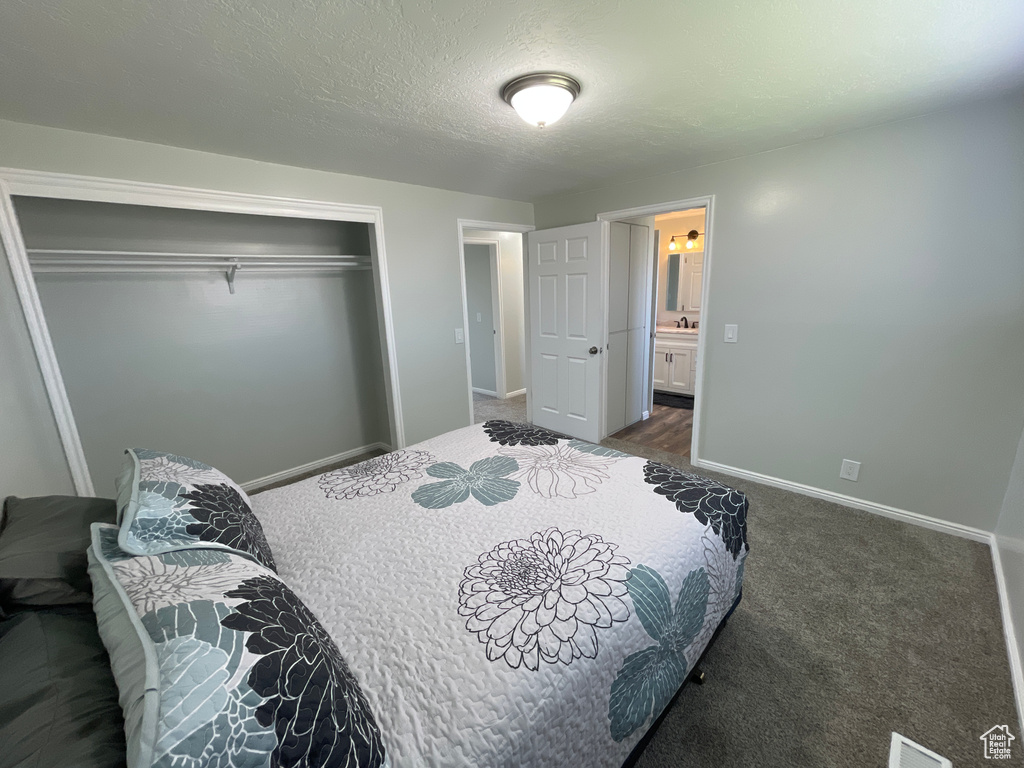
x=696 y=280
x=566 y=329
x=653 y=359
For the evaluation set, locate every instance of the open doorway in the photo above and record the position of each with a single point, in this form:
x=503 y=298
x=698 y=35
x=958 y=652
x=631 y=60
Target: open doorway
x=674 y=296
x=494 y=306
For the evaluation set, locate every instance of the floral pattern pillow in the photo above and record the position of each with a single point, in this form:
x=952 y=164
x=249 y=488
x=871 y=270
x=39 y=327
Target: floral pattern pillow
x=172 y=502
x=243 y=673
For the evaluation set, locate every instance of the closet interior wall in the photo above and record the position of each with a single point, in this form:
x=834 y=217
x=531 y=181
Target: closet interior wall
x=284 y=372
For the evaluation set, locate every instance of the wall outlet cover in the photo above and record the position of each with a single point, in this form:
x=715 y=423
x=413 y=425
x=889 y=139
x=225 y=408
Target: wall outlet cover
x=850 y=470
x=732 y=333
x=459 y=336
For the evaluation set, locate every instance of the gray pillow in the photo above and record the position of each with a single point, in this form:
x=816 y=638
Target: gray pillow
x=42 y=549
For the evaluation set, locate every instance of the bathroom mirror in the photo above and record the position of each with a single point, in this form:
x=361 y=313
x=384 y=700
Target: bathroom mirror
x=672 y=284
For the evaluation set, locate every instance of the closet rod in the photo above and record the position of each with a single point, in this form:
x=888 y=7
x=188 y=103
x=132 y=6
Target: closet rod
x=144 y=268
x=182 y=263
x=79 y=254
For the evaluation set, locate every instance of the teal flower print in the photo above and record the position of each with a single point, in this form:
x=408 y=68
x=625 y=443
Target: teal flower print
x=485 y=479
x=649 y=678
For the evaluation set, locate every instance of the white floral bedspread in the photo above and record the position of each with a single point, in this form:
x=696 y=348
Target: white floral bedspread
x=509 y=597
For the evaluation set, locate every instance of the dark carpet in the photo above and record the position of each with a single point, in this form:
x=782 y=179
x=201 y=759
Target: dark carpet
x=851 y=626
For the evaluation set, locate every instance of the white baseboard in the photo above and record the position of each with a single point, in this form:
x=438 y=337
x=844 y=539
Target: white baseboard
x=312 y=466
x=903 y=515
x=1012 y=644
x=517 y=393
x=489 y=392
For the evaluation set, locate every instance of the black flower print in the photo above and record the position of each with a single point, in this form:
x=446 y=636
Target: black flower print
x=513 y=433
x=710 y=502
x=224 y=517
x=382 y=474
x=314 y=702
x=540 y=599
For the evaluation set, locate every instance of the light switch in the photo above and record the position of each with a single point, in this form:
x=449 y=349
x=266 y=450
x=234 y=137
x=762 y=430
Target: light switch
x=459 y=337
x=479 y=317
x=732 y=333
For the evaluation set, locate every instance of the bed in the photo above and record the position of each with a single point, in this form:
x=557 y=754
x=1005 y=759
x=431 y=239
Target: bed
x=501 y=595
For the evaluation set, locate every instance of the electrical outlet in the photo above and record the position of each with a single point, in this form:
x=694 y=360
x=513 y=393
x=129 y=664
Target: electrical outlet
x=849 y=470
x=459 y=337
x=479 y=317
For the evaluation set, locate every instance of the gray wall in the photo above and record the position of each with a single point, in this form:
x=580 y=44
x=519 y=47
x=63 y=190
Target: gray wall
x=284 y=372
x=907 y=355
x=479 y=302
x=1010 y=540
x=513 y=304
x=421 y=239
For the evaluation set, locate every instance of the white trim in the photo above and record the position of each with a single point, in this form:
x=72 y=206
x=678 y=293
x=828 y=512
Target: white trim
x=1013 y=647
x=488 y=392
x=494 y=226
x=312 y=466
x=497 y=310
x=465 y=323
x=38 y=332
x=517 y=393
x=903 y=515
x=606 y=271
x=708 y=203
x=72 y=187
x=386 y=323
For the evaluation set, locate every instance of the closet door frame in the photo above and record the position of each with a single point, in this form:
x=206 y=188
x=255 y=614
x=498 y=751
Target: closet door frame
x=72 y=187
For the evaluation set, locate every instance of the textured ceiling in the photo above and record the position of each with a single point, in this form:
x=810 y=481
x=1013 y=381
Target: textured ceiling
x=409 y=91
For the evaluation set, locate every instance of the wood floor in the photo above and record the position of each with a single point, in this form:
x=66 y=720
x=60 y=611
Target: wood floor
x=668 y=429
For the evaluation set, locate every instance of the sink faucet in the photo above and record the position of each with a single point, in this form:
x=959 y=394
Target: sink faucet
x=684 y=321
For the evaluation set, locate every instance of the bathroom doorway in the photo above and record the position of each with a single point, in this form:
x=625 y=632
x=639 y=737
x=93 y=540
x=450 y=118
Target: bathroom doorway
x=676 y=294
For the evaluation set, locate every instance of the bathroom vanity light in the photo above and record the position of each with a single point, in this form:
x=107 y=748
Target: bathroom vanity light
x=691 y=240
x=541 y=98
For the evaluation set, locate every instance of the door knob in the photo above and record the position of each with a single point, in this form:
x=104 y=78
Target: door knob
x=593 y=350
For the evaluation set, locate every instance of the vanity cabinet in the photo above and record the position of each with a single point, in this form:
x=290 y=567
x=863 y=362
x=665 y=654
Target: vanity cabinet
x=675 y=365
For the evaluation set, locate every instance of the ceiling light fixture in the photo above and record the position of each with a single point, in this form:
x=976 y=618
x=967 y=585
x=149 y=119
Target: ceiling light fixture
x=542 y=97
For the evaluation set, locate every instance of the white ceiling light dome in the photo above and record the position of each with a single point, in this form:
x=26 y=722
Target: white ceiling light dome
x=541 y=98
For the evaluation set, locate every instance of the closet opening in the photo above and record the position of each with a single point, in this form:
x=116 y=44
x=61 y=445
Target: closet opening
x=256 y=342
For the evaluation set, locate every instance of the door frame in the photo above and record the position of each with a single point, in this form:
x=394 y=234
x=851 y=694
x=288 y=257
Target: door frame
x=464 y=237
x=64 y=186
x=708 y=203
x=497 y=316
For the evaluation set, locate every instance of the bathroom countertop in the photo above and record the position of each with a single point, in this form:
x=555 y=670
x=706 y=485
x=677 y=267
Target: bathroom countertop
x=673 y=330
